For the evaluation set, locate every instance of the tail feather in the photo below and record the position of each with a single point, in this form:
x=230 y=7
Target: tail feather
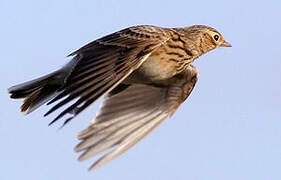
x=38 y=91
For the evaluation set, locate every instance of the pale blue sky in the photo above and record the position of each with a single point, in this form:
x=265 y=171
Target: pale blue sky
x=229 y=128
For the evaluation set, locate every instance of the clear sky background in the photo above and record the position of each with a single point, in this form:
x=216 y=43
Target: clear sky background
x=228 y=129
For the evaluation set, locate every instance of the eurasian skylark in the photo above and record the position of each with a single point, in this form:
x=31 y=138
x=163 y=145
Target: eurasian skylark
x=145 y=73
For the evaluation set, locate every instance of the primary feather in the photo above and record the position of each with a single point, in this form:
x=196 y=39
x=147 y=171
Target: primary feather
x=145 y=73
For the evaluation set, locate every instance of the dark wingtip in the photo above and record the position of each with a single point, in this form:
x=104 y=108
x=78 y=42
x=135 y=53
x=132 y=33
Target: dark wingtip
x=52 y=122
x=13 y=96
x=66 y=122
x=12 y=89
x=47 y=113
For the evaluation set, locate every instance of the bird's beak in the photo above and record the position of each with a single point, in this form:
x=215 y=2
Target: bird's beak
x=225 y=44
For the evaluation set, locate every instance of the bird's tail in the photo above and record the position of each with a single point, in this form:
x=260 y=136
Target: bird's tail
x=38 y=91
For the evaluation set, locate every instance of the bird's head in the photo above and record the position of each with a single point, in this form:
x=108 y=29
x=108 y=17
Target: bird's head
x=205 y=38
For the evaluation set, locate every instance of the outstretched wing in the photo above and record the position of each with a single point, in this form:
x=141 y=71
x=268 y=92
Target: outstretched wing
x=102 y=64
x=128 y=116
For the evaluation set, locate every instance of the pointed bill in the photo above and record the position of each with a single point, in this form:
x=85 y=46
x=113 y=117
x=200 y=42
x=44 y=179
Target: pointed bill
x=225 y=44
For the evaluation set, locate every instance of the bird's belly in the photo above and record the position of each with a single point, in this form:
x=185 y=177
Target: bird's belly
x=155 y=68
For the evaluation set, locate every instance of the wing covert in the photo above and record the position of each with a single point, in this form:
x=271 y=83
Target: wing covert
x=102 y=64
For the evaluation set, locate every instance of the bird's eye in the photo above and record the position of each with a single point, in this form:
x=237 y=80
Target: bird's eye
x=216 y=37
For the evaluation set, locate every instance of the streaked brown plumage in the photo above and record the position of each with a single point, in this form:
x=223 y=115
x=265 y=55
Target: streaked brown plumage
x=145 y=73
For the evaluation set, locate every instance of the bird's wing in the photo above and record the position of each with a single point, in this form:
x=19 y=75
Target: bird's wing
x=128 y=116
x=102 y=64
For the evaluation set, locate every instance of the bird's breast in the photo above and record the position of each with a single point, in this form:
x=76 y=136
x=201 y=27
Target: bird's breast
x=158 y=67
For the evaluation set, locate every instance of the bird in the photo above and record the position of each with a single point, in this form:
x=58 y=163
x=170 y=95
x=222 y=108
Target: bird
x=143 y=72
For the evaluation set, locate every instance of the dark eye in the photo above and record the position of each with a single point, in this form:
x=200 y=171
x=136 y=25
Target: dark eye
x=216 y=37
